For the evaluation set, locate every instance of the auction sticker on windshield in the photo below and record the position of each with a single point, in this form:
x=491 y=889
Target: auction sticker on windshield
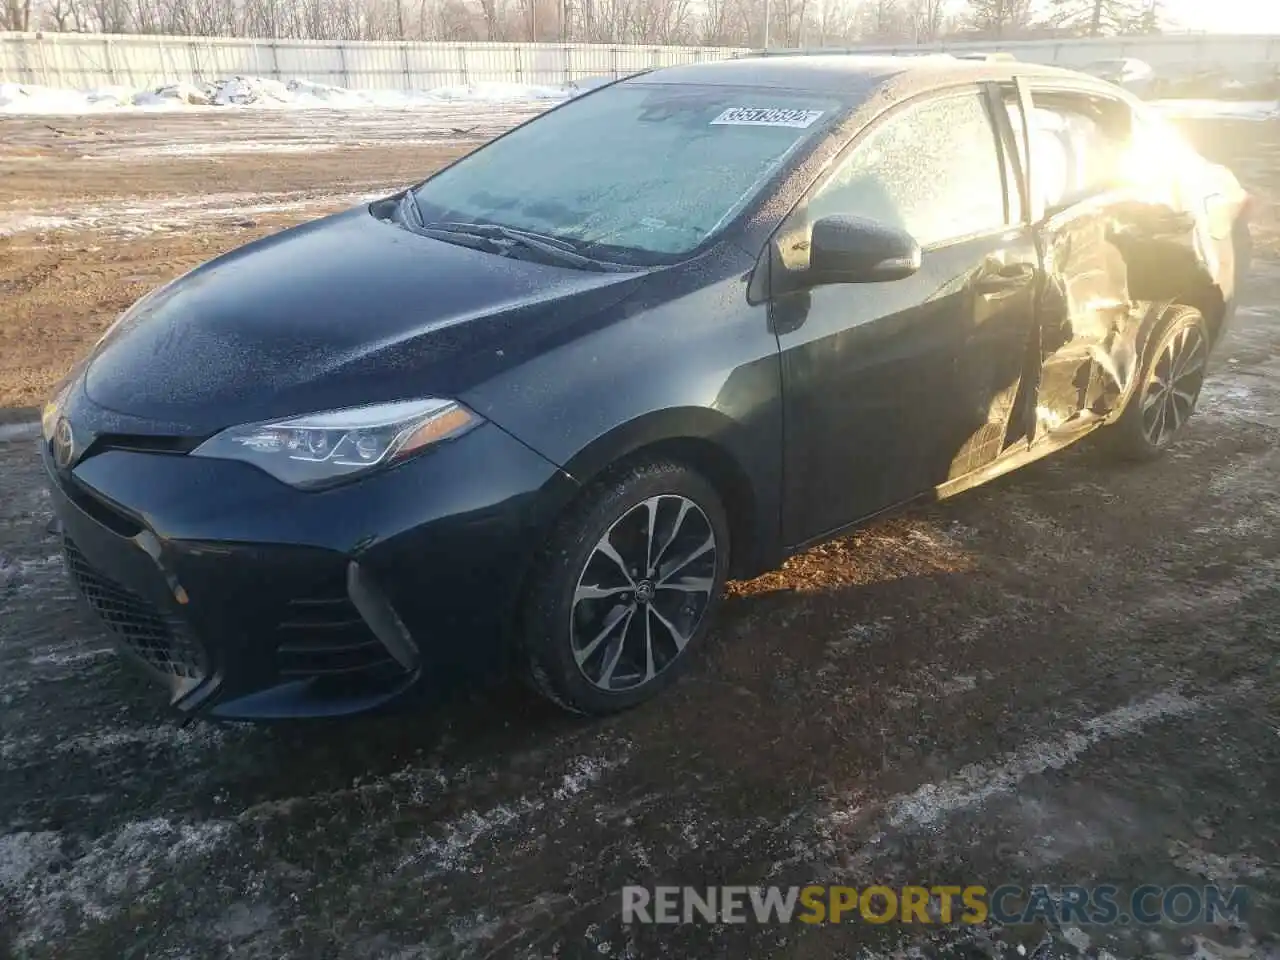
x=766 y=117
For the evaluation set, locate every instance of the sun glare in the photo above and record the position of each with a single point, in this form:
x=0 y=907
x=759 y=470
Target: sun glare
x=1225 y=16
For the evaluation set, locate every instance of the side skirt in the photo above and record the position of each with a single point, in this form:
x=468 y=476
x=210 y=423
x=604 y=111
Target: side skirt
x=1017 y=458
x=1005 y=463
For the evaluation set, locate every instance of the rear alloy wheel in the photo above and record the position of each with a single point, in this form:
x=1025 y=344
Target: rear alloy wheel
x=1167 y=395
x=1174 y=386
x=627 y=586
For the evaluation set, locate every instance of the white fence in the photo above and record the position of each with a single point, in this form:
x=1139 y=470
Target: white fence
x=95 y=60
x=85 y=61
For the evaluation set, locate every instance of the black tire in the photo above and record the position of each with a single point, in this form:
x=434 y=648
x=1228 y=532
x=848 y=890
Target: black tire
x=1139 y=434
x=560 y=609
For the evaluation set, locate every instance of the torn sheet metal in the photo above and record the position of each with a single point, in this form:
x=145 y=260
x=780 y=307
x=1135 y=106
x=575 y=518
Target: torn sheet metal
x=1109 y=270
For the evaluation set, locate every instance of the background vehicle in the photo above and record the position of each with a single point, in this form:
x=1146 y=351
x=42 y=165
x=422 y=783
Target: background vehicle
x=546 y=402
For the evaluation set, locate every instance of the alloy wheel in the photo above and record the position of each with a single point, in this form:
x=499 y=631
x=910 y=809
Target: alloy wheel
x=1174 y=386
x=643 y=593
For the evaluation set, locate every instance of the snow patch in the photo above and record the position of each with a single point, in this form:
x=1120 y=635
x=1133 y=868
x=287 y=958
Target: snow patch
x=189 y=738
x=267 y=93
x=11 y=432
x=452 y=850
x=70 y=659
x=16 y=574
x=583 y=773
x=1231 y=401
x=1077 y=938
x=224 y=148
x=1218 y=109
x=137 y=215
x=102 y=879
x=22 y=854
x=976 y=783
x=1215 y=868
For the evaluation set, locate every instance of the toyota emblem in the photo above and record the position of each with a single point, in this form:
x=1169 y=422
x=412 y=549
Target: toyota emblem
x=63 y=444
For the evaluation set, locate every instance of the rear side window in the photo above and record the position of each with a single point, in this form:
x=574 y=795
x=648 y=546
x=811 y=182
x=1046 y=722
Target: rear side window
x=932 y=170
x=1077 y=147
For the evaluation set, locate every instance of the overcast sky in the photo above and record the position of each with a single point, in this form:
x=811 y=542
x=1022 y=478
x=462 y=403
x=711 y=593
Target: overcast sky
x=1226 y=16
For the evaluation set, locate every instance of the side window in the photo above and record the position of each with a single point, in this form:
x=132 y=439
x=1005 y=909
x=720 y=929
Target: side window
x=1077 y=147
x=933 y=170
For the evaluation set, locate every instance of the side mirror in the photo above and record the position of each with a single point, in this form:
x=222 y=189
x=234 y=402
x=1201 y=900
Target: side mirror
x=846 y=249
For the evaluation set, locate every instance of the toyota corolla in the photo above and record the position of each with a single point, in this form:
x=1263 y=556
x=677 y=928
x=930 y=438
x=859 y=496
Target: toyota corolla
x=533 y=411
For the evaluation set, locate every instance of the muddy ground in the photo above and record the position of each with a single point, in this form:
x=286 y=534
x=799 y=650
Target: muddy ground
x=1066 y=677
x=95 y=211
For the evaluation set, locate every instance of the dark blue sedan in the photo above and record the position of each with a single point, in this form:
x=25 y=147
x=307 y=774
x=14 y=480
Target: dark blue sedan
x=535 y=410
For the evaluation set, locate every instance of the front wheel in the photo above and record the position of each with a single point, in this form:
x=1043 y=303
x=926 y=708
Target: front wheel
x=626 y=587
x=1166 y=396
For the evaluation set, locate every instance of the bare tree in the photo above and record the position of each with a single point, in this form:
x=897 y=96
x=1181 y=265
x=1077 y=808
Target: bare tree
x=491 y=12
x=1152 y=18
x=926 y=19
x=109 y=16
x=15 y=15
x=1098 y=17
x=1000 y=19
x=58 y=15
x=882 y=21
x=836 y=22
x=738 y=23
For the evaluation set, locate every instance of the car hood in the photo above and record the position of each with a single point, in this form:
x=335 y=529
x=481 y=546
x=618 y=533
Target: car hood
x=340 y=311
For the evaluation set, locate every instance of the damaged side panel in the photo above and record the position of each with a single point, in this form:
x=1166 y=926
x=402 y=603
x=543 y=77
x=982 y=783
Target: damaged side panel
x=1109 y=270
x=1112 y=261
x=1084 y=310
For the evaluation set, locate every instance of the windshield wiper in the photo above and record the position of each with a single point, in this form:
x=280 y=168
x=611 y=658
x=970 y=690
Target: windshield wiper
x=491 y=234
x=472 y=240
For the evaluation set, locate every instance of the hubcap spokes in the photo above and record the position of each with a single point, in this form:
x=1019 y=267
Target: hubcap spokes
x=643 y=592
x=1174 y=387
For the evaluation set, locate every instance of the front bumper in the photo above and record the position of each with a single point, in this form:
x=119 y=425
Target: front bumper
x=248 y=599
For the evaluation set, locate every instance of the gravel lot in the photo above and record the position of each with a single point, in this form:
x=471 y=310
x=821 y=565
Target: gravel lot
x=1068 y=676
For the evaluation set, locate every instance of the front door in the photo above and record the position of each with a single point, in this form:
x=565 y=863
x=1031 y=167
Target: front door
x=893 y=388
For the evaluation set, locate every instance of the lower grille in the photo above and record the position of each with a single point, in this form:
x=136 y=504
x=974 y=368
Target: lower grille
x=325 y=636
x=161 y=641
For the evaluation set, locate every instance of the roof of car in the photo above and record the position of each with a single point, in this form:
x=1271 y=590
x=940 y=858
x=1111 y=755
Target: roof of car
x=847 y=73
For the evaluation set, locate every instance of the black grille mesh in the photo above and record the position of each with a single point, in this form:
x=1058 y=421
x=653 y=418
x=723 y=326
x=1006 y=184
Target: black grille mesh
x=161 y=641
x=325 y=635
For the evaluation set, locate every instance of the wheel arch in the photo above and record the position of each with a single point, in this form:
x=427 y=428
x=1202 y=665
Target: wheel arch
x=1164 y=272
x=1151 y=318
x=712 y=444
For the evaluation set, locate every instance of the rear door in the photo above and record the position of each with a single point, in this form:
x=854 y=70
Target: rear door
x=1078 y=141
x=892 y=388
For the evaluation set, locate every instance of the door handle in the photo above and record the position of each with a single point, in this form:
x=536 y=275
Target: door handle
x=1005 y=280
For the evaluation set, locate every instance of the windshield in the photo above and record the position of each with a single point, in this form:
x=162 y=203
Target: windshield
x=637 y=173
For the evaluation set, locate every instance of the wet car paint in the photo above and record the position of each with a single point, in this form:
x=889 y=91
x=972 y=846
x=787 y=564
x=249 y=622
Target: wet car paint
x=385 y=314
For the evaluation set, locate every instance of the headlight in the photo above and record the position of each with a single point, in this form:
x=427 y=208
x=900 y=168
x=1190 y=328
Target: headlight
x=321 y=448
x=49 y=414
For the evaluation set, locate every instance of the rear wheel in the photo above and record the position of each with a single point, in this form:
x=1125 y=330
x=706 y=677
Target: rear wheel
x=1166 y=396
x=626 y=588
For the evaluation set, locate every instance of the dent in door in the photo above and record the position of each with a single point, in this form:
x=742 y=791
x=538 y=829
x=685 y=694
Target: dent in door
x=1109 y=269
